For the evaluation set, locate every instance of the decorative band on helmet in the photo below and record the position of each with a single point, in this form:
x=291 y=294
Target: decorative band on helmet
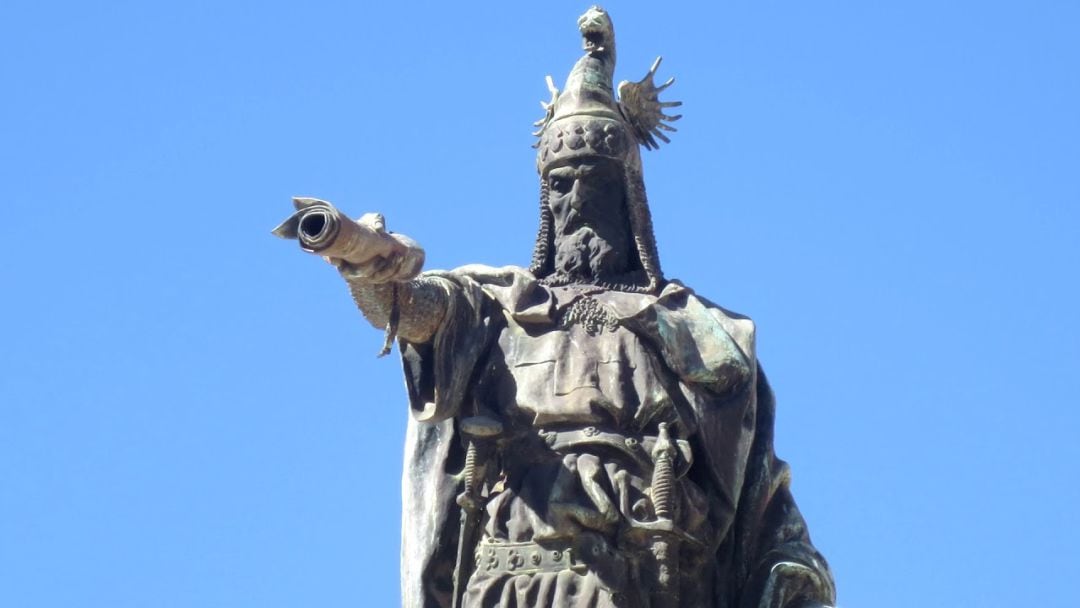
x=581 y=136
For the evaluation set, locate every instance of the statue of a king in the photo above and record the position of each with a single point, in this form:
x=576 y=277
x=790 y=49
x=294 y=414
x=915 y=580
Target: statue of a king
x=584 y=432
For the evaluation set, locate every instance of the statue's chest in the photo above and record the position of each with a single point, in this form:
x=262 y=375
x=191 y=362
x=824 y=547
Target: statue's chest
x=578 y=374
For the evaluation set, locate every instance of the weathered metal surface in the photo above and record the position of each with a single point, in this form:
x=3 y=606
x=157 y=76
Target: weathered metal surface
x=585 y=432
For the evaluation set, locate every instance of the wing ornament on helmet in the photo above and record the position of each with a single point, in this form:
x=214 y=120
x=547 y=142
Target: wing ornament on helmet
x=549 y=109
x=640 y=105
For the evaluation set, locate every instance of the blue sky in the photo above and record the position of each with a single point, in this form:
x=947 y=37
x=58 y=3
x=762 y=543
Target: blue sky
x=191 y=411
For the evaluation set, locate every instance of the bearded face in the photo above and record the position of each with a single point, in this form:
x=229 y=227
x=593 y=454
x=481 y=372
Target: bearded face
x=592 y=231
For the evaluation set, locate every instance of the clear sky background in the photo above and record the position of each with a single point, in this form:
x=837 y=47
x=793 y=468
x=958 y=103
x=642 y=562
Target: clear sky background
x=191 y=411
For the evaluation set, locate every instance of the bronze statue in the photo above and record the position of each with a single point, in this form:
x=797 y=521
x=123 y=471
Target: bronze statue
x=585 y=432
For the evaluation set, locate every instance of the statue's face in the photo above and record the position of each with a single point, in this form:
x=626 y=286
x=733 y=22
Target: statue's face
x=592 y=231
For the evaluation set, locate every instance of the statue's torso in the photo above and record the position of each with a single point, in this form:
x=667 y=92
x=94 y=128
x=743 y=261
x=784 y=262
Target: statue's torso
x=581 y=402
x=563 y=375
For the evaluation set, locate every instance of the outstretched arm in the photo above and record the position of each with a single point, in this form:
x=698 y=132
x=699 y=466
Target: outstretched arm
x=381 y=268
x=420 y=303
x=388 y=291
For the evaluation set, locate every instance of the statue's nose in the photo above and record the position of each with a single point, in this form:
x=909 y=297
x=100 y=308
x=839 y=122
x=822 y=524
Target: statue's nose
x=577 y=196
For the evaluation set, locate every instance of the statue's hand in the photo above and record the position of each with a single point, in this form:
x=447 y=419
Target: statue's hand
x=375 y=270
x=398 y=266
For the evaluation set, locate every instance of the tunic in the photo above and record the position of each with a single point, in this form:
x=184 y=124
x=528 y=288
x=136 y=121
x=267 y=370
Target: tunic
x=582 y=379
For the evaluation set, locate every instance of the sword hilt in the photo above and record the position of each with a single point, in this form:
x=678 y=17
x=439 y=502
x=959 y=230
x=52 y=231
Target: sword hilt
x=665 y=544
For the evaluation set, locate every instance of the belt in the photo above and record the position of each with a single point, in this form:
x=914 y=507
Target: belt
x=638 y=448
x=586 y=553
x=496 y=557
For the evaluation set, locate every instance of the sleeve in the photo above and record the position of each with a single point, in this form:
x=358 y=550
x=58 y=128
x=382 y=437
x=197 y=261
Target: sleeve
x=775 y=563
x=438 y=375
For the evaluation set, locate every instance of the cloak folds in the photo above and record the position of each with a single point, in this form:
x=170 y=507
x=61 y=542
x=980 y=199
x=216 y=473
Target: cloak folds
x=764 y=557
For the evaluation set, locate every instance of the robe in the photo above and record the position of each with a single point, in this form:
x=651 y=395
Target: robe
x=499 y=324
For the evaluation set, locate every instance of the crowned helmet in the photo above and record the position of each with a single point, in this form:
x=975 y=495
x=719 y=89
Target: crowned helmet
x=585 y=120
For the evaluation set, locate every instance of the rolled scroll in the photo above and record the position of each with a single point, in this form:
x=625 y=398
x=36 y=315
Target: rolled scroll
x=323 y=230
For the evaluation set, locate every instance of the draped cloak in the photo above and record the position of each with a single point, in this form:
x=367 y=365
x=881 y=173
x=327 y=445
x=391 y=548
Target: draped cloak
x=763 y=556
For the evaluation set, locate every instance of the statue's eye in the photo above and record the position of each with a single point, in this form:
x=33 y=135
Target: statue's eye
x=560 y=185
